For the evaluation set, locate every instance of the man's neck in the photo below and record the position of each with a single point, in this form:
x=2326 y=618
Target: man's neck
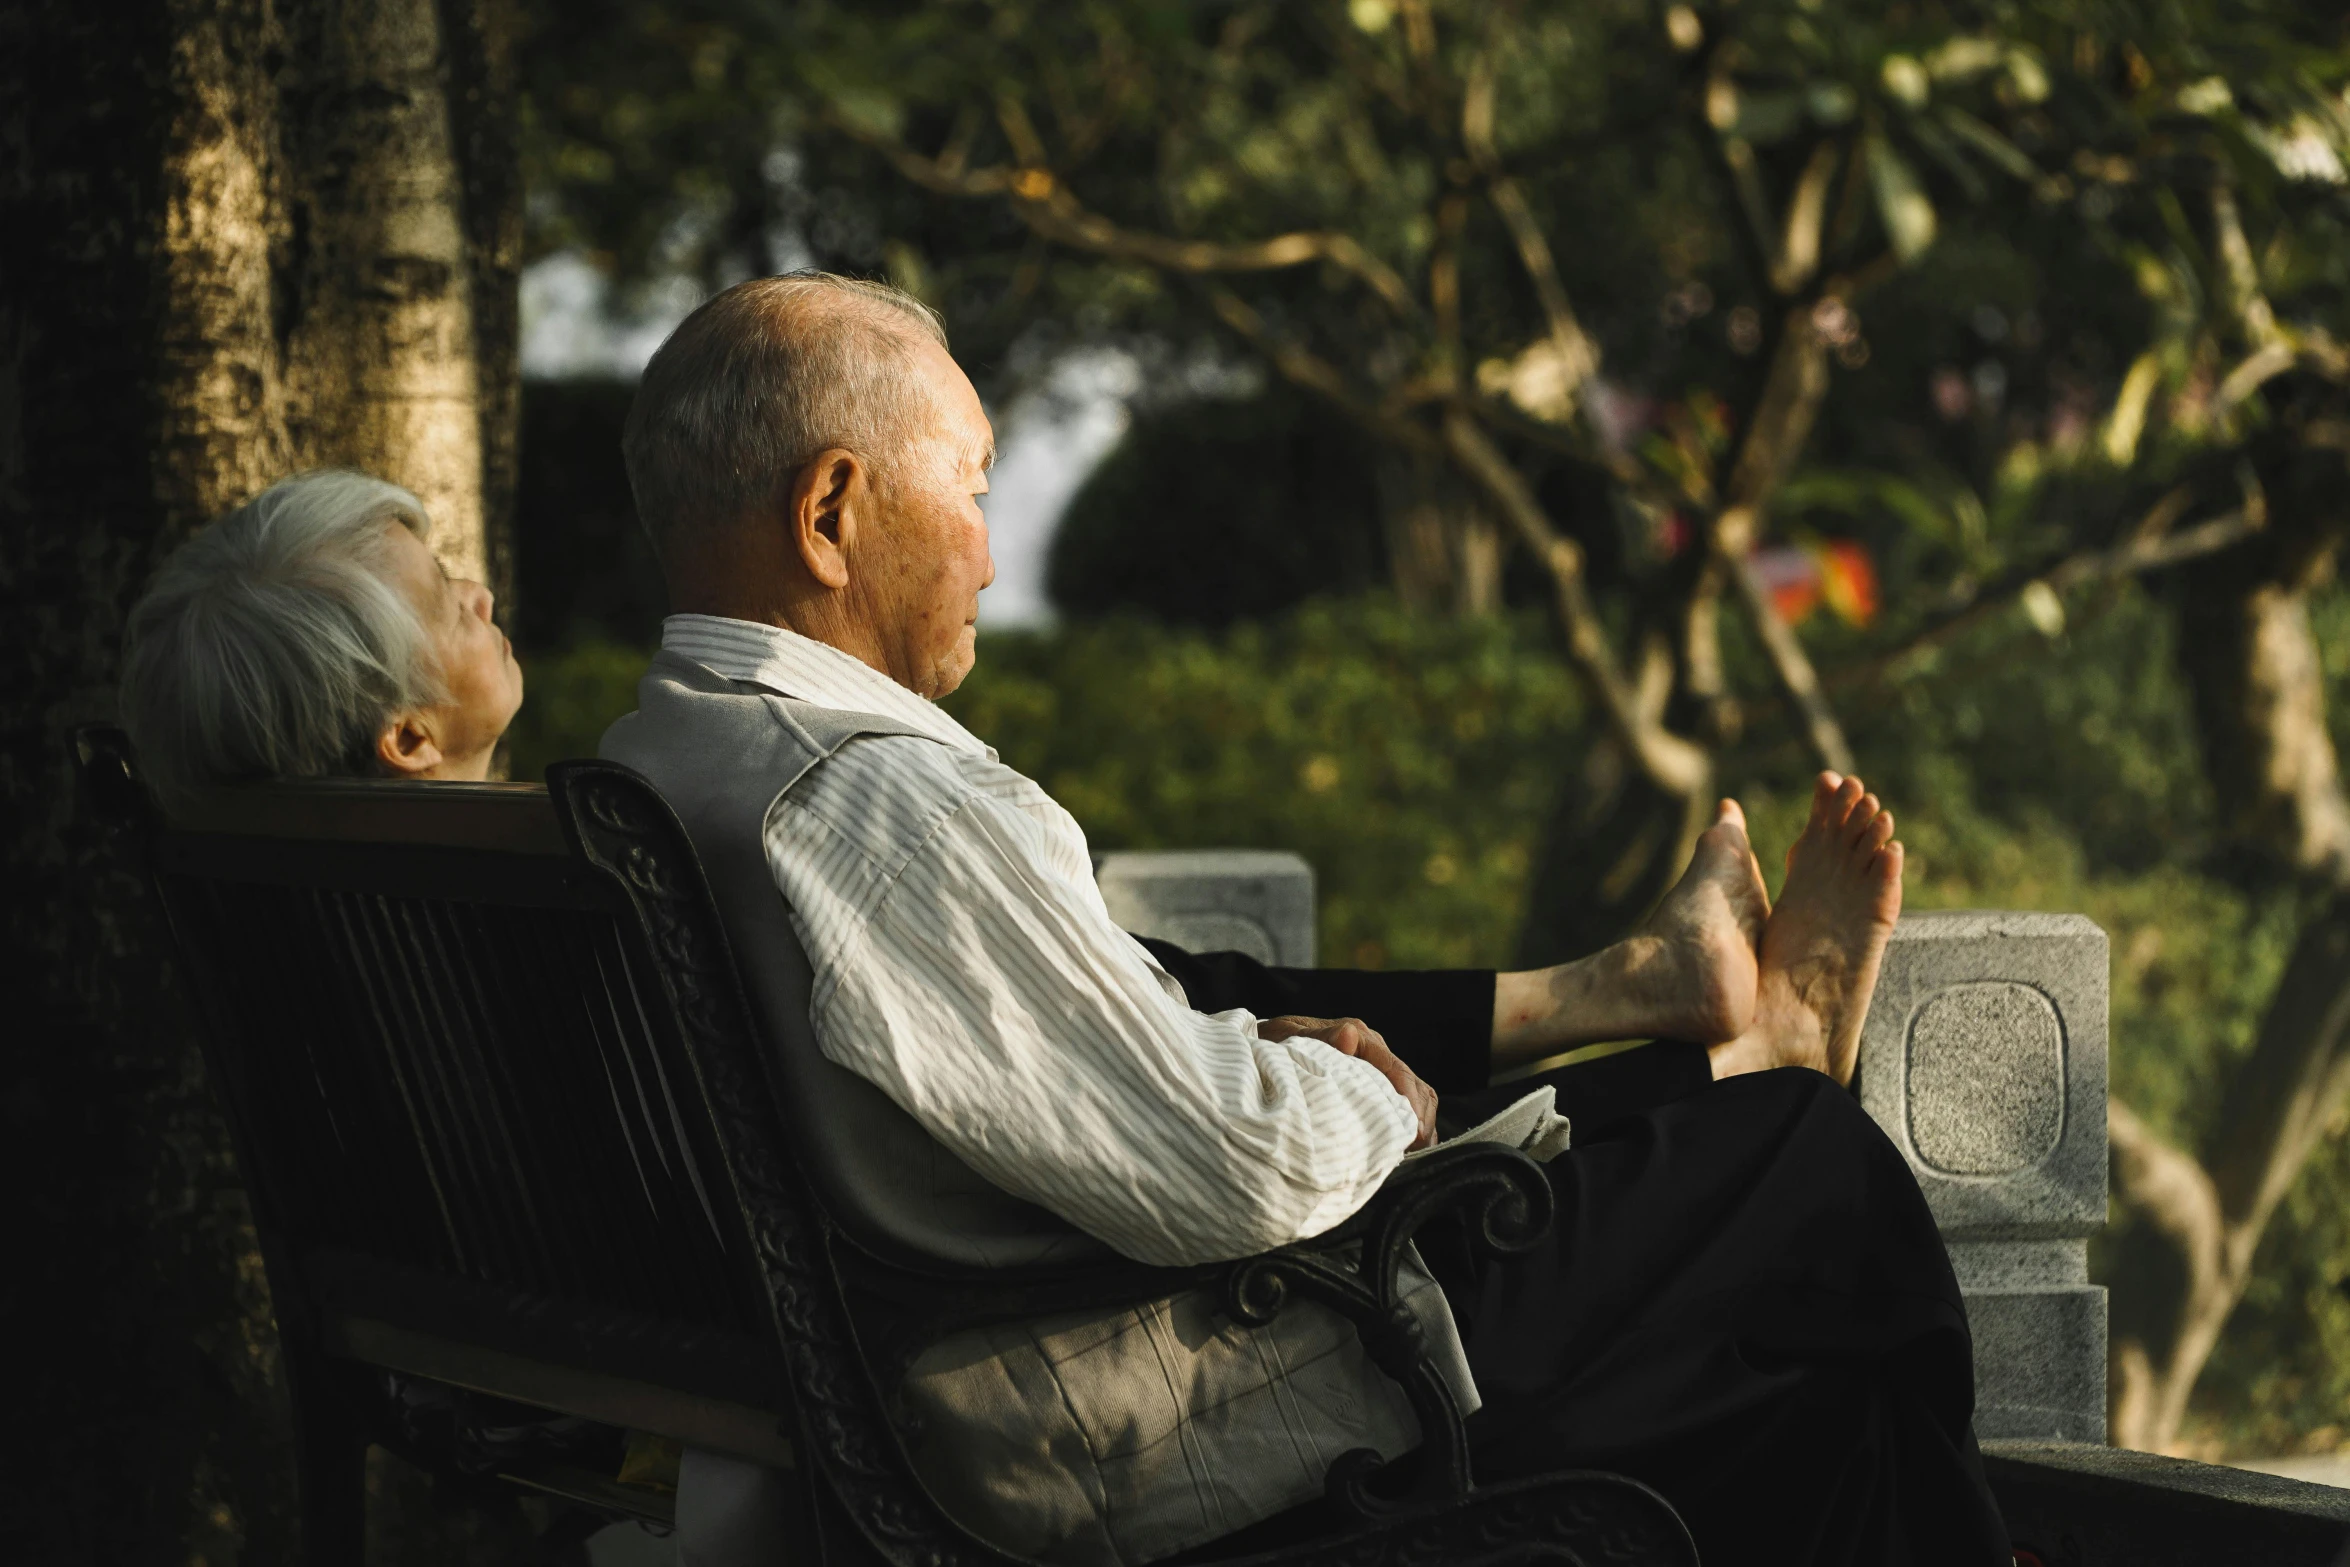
x=768 y=589
x=817 y=621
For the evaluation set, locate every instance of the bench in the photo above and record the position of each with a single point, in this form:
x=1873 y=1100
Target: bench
x=502 y=1112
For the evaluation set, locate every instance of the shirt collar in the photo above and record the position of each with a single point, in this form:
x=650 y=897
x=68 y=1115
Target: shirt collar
x=808 y=671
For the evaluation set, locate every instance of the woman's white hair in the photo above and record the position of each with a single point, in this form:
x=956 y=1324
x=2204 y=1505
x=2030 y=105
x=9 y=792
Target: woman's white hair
x=271 y=645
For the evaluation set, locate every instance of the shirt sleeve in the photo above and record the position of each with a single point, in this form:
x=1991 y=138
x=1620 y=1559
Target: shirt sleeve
x=992 y=997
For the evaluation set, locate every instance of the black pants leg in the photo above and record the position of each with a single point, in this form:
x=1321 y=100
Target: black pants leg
x=1745 y=1304
x=1595 y=1094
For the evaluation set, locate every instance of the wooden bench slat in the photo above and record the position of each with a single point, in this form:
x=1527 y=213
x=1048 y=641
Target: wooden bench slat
x=711 y=1423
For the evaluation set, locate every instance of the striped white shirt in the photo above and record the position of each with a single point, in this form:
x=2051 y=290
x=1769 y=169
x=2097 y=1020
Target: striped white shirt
x=973 y=974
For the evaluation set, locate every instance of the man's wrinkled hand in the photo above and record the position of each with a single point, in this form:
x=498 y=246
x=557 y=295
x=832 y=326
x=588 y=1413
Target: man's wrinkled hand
x=1354 y=1037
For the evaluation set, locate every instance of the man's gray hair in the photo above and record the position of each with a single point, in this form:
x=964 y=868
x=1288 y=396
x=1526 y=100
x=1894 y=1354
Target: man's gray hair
x=271 y=645
x=761 y=378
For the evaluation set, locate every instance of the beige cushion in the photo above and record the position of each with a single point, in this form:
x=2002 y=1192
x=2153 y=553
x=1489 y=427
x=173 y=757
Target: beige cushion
x=1123 y=1436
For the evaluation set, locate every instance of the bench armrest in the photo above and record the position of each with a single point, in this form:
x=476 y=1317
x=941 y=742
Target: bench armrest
x=1502 y=1199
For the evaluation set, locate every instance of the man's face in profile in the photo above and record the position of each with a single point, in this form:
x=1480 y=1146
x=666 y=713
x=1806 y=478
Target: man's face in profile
x=923 y=575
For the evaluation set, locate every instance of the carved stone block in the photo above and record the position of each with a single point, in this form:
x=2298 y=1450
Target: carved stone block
x=2039 y=1331
x=1984 y=1060
x=1257 y=901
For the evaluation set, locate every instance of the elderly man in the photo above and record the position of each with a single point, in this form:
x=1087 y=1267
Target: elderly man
x=1744 y=1302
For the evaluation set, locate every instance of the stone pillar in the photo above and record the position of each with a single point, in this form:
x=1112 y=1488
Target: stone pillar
x=1984 y=1060
x=1257 y=901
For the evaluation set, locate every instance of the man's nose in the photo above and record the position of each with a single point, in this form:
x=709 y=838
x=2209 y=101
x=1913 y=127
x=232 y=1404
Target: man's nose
x=482 y=600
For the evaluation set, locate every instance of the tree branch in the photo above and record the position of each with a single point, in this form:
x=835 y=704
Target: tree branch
x=1578 y=355
x=1444 y=288
x=1732 y=161
x=1302 y=367
x=1774 y=435
x=2164 y=1184
x=2257 y=680
x=1798 y=258
x=2145 y=551
x=1040 y=200
x=2280 y=1100
x=1798 y=679
x=1673 y=763
x=2238 y=272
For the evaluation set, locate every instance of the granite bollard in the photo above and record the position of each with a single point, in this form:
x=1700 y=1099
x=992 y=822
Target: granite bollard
x=1984 y=1061
x=1257 y=901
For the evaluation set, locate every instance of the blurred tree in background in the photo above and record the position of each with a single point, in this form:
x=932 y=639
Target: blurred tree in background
x=236 y=240
x=1998 y=345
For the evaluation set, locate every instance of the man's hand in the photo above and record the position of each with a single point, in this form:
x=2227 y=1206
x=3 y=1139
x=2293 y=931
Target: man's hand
x=1354 y=1037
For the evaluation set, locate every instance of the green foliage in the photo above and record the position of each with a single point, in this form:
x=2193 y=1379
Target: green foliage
x=1411 y=761
x=568 y=699
x=2280 y=1379
x=1220 y=509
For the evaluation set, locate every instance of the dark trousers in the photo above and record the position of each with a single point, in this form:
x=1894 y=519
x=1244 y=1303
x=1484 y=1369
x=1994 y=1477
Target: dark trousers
x=1743 y=1301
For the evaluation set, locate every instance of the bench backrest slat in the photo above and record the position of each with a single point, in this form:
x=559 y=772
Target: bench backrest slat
x=450 y=1057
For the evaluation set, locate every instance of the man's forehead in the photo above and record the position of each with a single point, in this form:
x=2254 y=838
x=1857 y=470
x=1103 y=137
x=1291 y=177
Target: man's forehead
x=956 y=417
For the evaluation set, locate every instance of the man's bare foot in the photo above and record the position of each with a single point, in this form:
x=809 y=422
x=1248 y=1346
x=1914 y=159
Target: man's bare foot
x=1825 y=940
x=1687 y=973
x=1690 y=968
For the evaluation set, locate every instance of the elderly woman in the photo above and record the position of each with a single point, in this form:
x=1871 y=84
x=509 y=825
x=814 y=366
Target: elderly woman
x=311 y=633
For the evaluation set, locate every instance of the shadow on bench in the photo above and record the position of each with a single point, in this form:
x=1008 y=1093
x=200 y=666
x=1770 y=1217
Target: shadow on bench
x=506 y=1124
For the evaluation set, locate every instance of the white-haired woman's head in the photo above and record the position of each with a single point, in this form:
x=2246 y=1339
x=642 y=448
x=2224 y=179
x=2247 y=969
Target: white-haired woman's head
x=311 y=633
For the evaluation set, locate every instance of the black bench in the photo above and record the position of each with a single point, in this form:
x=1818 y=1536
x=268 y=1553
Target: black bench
x=505 y=1122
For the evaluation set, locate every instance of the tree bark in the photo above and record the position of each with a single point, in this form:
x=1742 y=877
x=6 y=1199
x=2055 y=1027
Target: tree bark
x=1444 y=555
x=381 y=355
x=2257 y=684
x=1615 y=842
x=482 y=86
x=205 y=282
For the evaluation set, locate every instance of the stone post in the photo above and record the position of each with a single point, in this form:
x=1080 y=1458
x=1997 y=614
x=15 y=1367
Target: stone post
x=1984 y=1061
x=1257 y=901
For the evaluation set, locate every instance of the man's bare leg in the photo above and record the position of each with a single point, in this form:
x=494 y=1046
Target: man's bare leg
x=1689 y=972
x=1825 y=940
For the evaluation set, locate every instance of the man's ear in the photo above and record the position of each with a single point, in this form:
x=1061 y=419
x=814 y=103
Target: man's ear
x=406 y=748
x=825 y=500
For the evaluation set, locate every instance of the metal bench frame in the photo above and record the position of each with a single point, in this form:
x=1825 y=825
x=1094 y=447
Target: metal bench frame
x=418 y=1220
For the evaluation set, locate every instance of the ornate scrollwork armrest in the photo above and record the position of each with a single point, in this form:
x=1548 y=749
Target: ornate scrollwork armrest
x=1503 y=1200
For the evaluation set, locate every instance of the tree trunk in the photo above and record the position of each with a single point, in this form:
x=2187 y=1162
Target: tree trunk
x=382 y=357
x=2196 y=1218
x=1444 y=554
x=2186 y=1255
x=1615 y=843
x=482 y=86
x=209 y=281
